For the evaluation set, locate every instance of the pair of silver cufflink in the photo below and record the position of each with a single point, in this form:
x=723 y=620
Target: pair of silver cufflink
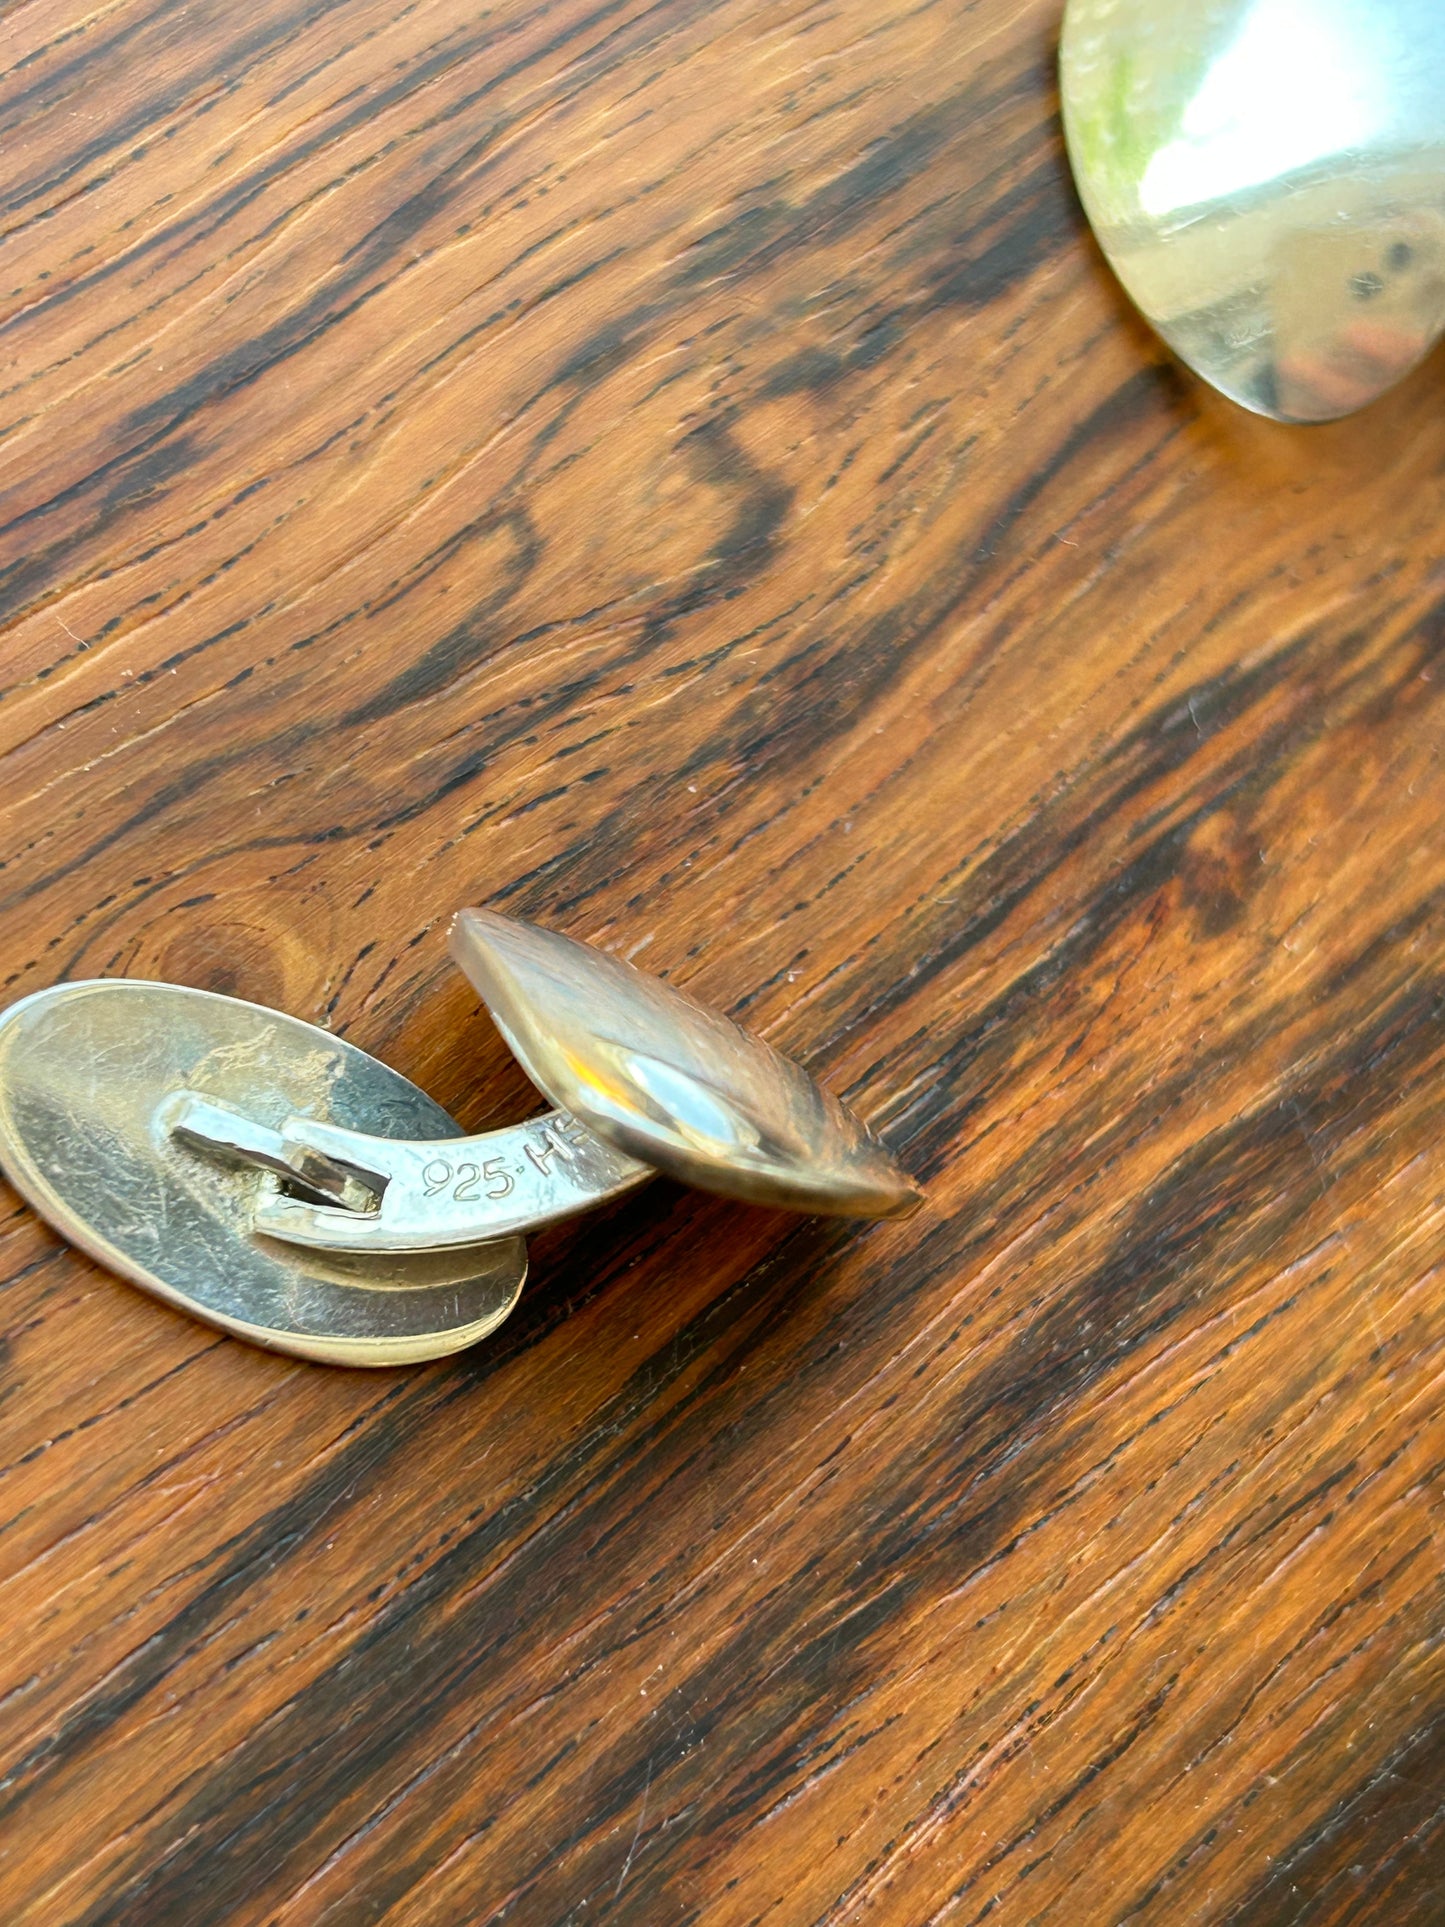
x=284 y=1185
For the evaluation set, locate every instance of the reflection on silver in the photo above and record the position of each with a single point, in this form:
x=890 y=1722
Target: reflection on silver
x=1267 y=178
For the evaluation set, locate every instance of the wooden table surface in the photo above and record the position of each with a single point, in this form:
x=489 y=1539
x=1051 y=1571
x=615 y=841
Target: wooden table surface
x=682 y=473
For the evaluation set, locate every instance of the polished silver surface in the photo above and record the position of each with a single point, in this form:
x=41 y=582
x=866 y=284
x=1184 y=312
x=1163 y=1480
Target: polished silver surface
x=666 y=1081
x=91 y=1084
x=1267 y=178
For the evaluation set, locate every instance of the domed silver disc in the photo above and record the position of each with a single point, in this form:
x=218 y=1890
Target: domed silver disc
x=670 y=1082
x=1267 y=179
x=87 y=1072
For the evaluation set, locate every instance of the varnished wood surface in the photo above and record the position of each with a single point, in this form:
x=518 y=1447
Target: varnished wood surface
x=682 y=473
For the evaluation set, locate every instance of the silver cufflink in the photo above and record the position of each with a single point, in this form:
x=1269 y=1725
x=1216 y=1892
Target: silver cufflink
x=284 y=1185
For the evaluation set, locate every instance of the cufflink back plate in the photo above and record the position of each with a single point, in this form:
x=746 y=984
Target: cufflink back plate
x=89 y=1075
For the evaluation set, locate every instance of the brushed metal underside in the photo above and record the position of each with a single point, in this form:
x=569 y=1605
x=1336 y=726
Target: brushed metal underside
x=86 y=1071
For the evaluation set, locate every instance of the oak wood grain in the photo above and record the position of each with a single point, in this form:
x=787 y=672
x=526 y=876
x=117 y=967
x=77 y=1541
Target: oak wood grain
x=682 y=473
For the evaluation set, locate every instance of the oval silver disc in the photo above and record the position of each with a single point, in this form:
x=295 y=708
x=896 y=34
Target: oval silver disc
x=86 y=1072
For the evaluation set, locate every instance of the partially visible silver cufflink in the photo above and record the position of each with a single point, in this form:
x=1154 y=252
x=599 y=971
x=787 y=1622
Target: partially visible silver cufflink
x=285 y=1186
